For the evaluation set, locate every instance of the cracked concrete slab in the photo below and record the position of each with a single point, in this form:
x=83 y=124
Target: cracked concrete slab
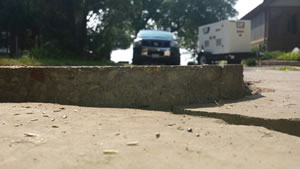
x=39 y=135
x=277 y=97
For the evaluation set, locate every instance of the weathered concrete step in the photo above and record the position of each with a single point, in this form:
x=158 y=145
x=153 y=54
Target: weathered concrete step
x=147 y=87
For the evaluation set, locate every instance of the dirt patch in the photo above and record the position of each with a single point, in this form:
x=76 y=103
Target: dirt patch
x=252 y=89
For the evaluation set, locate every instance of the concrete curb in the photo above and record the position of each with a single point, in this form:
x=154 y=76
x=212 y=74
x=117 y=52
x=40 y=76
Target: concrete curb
x=146 y=87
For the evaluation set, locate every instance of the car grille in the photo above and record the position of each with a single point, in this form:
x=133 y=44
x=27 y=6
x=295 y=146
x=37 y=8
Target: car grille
x=160 y=53
x=156 y=43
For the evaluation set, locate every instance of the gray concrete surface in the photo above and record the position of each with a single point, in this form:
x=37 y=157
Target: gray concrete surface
x=259 y=131
x=274 y=105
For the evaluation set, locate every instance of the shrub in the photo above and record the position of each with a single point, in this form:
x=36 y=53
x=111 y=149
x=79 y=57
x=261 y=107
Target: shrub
x=250 y=62
x=49 y=50
x=271 y=55
x=289 y=56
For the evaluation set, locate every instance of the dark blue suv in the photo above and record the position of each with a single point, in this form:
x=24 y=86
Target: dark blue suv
x=155 y=47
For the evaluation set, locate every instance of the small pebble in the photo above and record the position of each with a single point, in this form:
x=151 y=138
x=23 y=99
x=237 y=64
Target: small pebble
x=35 y=120
x=64 y=117
x=54 y=126
x=30 y=135
x=190 y=130
x=133 y=143
x=18 y=125
x=197 y=135
x=110 y=152
x=157 y=135
x=180 y=128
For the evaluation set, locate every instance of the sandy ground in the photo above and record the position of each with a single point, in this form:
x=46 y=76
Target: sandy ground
x=259 y=131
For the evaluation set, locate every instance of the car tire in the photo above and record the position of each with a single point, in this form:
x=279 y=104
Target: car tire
x=176 y=61
x=136 y=59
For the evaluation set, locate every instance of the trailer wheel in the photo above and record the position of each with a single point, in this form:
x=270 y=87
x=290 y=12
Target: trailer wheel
x=202 y=60
x=234 y=61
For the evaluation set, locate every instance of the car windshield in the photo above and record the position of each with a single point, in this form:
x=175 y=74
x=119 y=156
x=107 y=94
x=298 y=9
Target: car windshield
x=148 y=34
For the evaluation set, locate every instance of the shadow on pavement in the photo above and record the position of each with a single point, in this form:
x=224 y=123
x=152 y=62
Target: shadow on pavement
x=287 y=126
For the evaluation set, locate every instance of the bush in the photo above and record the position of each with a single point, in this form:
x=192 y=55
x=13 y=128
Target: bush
x=289 y=56
x=271 y=55
x=49 y=50
x=250 y=62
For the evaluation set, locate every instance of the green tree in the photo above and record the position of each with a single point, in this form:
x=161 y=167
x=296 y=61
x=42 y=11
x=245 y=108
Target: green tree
x=16 y=17
x=185 y=16
x=60 y=26
x=142 y=12
x=113 y=28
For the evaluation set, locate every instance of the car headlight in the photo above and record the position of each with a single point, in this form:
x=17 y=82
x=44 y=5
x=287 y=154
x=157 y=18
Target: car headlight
x=174 y=44
x=137 y=42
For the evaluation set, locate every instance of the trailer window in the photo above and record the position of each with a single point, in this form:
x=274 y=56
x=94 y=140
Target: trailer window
x=292 y=24
x=240 y=25
x=219 y=42
x=206 y=30
x=206 y=43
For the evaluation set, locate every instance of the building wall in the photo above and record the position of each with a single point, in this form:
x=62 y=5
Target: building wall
x=291 y=3
x=258 y=29
x=283 y=28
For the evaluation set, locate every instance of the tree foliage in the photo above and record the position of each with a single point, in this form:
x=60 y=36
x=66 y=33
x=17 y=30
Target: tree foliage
x=94 y=28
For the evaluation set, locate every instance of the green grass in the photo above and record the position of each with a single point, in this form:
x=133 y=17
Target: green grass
x=280 y=56
x=31 y=61
x=289 y=56
x=287 y=69
x=277 y=55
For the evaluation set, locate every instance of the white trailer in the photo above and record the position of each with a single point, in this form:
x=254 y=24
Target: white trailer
x=225 y=40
